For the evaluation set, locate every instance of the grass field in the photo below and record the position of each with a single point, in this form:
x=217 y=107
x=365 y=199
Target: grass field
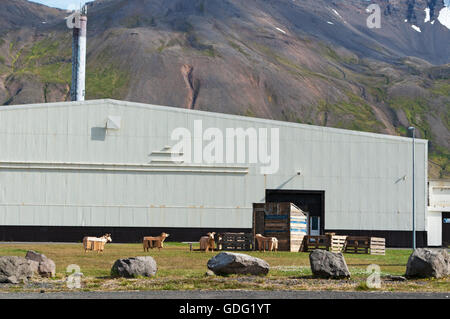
x=181 y=269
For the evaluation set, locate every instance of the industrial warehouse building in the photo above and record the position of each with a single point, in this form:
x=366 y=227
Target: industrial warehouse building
x=86 y=168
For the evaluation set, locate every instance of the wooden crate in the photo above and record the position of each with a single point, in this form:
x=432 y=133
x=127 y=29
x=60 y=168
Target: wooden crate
x=377 y=246
x=285 y=221
x=235 y=241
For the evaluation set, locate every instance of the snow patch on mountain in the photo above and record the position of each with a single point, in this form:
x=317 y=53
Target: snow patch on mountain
x=427 y=15
x=337 y=13
x=444 y=17
x=416 y=28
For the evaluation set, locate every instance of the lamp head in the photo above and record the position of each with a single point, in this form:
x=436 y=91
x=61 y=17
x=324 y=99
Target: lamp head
x=412 y=131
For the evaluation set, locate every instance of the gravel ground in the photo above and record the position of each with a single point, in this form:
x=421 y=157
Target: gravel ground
x=240 y=294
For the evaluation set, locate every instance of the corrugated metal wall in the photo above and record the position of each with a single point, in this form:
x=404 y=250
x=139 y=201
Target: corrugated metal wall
x=56 y=168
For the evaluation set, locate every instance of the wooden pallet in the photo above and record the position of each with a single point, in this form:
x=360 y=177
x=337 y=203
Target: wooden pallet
x=298 y=230
x=277 y=226
x=377 y=246
x=235 y=241
x=328 y=242
x=337 y=243
x=311 y=243
x=365 y=245
x=357 y=245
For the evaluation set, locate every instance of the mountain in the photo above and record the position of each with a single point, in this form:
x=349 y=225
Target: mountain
x=307 y=61
x=18 y=14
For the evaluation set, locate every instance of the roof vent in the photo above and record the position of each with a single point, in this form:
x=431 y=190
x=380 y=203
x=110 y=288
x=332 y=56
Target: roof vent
x=113 y=122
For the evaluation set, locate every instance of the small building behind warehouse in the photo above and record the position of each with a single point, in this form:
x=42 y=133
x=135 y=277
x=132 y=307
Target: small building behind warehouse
x=438 y=219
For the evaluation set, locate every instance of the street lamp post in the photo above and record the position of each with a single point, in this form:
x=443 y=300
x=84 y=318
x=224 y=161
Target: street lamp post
x=413 y=130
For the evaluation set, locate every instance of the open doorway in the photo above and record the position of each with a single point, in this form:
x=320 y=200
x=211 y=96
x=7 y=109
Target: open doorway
x=312 y=202
x=446 y=229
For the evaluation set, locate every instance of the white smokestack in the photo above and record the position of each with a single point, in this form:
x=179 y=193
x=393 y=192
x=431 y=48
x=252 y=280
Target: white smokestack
x=78 y=22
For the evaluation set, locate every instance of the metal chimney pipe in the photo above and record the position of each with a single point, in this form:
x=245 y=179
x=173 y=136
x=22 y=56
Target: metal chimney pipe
x=77 y=91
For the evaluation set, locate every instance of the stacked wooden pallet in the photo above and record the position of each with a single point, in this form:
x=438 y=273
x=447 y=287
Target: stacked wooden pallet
x=285 y=221
x=337 y=243
x=289 y=225
x=329 y=242
x=357 y=245
x=299 y=229
x=277 y=226
x=377 y=246
x=235 y=241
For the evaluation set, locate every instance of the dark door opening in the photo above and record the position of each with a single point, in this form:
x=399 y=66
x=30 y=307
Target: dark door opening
x=312 y=202
x=445 y=229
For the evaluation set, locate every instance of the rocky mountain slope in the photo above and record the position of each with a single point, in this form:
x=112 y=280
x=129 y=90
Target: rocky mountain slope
x=308 y=61
x=22 y=14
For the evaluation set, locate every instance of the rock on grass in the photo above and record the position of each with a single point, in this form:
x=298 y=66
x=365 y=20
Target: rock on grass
x=14 y=269
x=234 y=263
x=325 y=264
x=144 y=266
x=428 y=263
x=41 y=264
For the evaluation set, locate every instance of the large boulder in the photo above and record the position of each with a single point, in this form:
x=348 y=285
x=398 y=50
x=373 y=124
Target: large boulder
x=134 y=267
x=425 y=263
x=232 y=263
x=34 y=265
x=44 y=266
x=325 y=264
x=14 y=269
